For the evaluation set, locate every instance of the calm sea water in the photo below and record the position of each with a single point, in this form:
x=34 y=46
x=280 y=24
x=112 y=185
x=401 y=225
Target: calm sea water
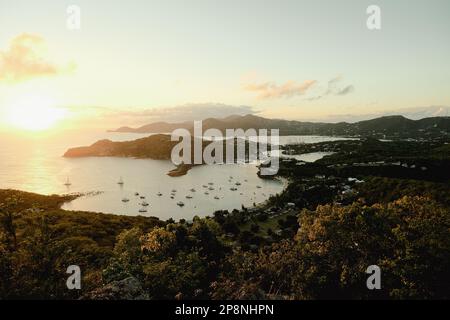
x=35 y=164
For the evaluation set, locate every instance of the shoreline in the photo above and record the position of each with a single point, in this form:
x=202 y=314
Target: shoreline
x=67 y=198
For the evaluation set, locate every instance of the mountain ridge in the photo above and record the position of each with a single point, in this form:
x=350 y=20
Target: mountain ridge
x=392 y=125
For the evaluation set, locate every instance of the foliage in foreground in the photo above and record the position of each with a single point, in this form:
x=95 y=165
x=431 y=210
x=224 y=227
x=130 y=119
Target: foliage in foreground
x=409 y=238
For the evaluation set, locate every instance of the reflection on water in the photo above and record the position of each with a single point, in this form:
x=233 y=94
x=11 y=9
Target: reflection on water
x=149 y=178
x=309 y=157
x=35 y=164
x=286 y=140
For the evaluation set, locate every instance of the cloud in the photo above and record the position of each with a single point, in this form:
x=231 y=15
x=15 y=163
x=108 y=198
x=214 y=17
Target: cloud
x=25 y=59
x=333 y=88
x=332 y=83
x=270 y=90
x=346 y=90
x=192 y=111
x=186 y=112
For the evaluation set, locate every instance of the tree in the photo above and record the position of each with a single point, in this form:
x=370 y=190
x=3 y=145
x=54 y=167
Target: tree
x=7 y=216
x=408 y=239
x=254 y=228
x=159 y=241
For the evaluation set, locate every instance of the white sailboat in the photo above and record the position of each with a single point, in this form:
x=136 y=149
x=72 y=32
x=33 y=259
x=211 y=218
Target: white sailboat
x=143 y=210
x=67 y=184
x=120 y=181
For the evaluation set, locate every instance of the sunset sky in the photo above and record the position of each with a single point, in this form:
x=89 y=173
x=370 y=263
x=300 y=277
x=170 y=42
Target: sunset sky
x=143 y=60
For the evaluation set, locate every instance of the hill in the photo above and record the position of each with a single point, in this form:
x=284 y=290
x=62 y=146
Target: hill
x=157 y=146
x=389 y=126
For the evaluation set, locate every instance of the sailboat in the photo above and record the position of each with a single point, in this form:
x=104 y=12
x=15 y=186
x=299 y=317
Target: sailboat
x=143 y=210
x=120 y=181
x=67 y=184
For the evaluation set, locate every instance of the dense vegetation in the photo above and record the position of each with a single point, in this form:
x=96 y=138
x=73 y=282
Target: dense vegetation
x=38 y=241
x=408 y=238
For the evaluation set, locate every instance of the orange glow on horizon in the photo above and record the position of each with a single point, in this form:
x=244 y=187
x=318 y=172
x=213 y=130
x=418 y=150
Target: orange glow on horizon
x=33 y=112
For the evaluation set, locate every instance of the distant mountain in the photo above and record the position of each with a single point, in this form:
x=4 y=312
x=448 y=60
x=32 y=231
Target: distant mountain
x=425 y=112
x=390 y=126
x=231 y=122
x=156 y=127
x=400 y=124
x=415 y=113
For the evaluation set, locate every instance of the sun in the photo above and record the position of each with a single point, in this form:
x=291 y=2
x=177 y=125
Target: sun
x=34 y=113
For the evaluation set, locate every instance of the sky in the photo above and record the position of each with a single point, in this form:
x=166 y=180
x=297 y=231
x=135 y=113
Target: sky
x=139 y=60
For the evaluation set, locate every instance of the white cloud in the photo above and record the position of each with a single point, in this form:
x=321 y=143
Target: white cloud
x=25 y=59
x=271 y=90
x=186 y=112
